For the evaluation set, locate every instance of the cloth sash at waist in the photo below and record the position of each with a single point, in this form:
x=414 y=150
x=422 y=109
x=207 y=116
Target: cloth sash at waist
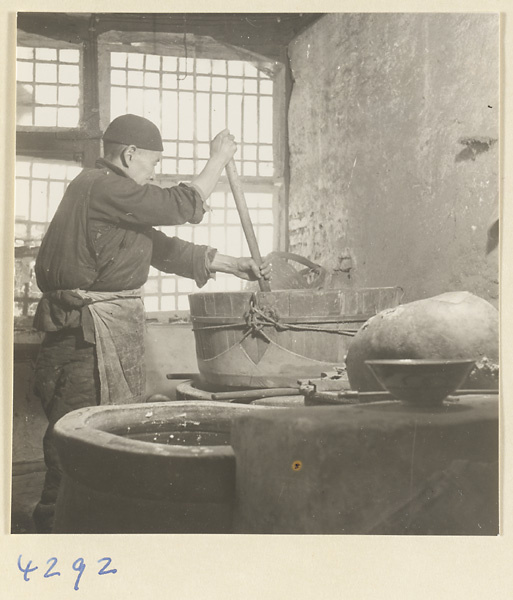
x=118 y=319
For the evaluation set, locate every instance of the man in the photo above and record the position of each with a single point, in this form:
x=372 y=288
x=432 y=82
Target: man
x=91 y=265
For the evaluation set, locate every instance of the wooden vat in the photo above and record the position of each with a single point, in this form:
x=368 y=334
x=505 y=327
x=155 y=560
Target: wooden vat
x=271 y=339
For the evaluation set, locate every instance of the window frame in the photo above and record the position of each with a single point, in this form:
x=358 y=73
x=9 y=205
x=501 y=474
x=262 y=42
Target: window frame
x=80 y=144
x=38 y=41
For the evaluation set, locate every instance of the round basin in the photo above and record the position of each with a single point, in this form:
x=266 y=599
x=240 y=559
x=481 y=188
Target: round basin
x=147 y=468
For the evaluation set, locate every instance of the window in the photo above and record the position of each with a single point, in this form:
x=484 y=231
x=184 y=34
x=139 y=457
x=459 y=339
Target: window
x=40 y=185
x=191 y=100
x=48 y=87
x=52 y=139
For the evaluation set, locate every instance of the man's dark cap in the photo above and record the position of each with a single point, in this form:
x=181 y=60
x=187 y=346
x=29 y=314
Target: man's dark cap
x=131 y=129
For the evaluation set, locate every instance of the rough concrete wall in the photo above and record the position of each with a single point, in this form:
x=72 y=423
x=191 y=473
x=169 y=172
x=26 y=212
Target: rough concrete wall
x=393 y=128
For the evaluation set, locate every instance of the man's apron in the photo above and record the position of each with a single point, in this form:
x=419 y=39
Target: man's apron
x=118 y=319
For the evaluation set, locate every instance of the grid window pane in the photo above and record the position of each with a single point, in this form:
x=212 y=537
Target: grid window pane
x=265 y=153
x=249 y=168
x=25 y=53
x=69 y=96
x=135 y=100
x=168 y=303
x=265 y=122
x=219 y=67
x=217 y=216
x=152 y=286
x=117 y=102
x=235 y=116
x=69 y=55
x=232 y=216
x=54 y=76
x=25 y=71
x=170 y=148
x=218 y=116
x=24 y=119
x=250 y=123
x=46 y=94
x=250 y=86
x=266 y=87
x=204 y=150
x=182 y=302
x=185 y=285
x=39 y=185
x=68 y=74
x=186 y=116
x=235 y=86
x=266 y=169
x=135 y=61
x=152 y=80
x=250 y=70
x=168 y=165
x=118 y=59
x=22 y=200
x=186 y=167
x=46 y=54
x=203 y=83
x=151 y=99
x=235 y=244
x=186 y=82
x=187 y=150
x=46 y=73
x=265 y=238
x=202 y=121
x=135 y=78
x=219 y=84
x=152 y=62
x=46 y=116
x=118 y=77
x=168 y=284
x=235 y=67
x=151 y=303
x=67 y=117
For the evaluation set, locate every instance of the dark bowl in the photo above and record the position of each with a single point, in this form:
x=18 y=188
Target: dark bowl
x=421 y=381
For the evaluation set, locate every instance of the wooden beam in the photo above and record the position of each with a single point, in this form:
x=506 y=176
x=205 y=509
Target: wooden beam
x=263 y=33
x=91 y=97
x=58 y=26
x=70 y=145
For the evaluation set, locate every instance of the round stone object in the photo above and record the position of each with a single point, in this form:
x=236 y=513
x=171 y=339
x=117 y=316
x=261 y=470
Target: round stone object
x=451 y=326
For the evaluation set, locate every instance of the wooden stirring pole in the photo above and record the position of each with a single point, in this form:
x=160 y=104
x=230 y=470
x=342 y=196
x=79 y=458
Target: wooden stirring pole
x=247 y=226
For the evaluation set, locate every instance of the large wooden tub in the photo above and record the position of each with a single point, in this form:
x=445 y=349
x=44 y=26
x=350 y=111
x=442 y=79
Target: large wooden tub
x=271 y=339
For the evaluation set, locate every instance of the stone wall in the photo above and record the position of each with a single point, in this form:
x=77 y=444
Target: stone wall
x=393 y=129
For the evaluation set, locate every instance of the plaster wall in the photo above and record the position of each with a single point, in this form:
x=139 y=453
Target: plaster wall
x=393 y=129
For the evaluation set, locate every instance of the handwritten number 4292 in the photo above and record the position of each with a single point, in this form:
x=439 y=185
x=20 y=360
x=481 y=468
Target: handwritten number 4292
x=78 y=566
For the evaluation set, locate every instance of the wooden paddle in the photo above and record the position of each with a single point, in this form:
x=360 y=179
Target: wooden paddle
x=247 y=226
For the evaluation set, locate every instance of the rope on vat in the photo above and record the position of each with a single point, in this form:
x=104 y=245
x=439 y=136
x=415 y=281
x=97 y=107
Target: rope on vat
x=258 y=317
